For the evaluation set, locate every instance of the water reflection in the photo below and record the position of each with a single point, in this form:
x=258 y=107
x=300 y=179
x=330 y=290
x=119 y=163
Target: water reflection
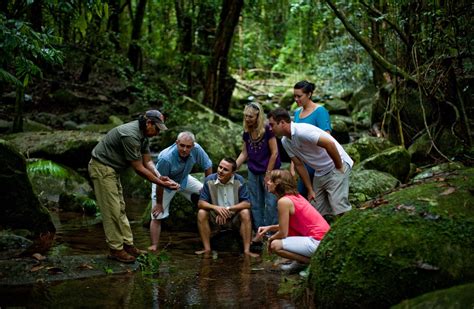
x=228 y=280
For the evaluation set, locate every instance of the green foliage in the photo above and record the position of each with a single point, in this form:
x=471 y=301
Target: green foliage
x=22 y=48
x=150 y=263
x=46 y=167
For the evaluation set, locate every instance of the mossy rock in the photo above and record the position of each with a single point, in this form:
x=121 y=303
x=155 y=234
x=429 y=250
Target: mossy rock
x=20 y=208
x=395 y=161
x=367 y=146
x=364 y=92
x=458 y=297
x=352 y=152
x=336 y=106
x=438 y=170
x=371 y=182
x=419 y=240
x=71 y=148
x=340 y=131
x=114 y=121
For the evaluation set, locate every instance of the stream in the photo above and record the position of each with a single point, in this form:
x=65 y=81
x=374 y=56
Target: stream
x=227 y=280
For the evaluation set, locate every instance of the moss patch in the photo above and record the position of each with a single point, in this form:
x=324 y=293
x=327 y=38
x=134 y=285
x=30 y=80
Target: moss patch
x=418 y=240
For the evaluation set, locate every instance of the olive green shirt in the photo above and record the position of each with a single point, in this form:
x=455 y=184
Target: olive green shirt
x=121 y=145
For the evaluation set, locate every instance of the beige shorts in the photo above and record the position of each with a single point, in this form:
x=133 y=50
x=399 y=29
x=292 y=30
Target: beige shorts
x=332 y=192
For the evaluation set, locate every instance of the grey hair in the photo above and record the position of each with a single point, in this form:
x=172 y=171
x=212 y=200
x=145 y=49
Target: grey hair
x=186 y=134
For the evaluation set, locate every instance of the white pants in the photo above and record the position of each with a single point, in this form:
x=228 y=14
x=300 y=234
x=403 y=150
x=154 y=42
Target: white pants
x=193 y=186
x=301 y=245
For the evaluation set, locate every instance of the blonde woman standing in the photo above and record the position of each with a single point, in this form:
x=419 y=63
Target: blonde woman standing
x=260 y=150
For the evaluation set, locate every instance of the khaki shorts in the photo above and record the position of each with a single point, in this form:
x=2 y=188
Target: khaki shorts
x=332 y=192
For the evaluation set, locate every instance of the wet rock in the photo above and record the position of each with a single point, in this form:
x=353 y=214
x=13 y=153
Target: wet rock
x=59 y=268
x=418 y=241
x=13 y=245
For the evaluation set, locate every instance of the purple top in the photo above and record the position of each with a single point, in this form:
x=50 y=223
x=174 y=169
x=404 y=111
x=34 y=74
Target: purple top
x=258 y=152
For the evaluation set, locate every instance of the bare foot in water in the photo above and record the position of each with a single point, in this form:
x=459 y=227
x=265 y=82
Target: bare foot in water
x=153 y=248
x=207 y=254
x=251 y=254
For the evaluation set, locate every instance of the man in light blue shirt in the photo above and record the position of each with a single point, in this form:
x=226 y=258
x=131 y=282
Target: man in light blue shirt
x=176 y=162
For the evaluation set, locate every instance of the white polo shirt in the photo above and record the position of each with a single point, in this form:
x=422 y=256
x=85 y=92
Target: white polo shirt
x=304 y=145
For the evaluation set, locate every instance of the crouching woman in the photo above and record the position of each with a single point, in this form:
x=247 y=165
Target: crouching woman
x=300 y=226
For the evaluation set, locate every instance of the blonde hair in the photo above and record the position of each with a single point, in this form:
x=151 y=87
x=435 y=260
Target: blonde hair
x=257 y=109
x=284 y=182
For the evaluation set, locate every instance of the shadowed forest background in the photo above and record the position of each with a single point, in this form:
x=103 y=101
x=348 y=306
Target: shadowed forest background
x=395 y=76
x=133 y=55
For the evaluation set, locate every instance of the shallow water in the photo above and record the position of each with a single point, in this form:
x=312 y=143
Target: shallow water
x=227 y=280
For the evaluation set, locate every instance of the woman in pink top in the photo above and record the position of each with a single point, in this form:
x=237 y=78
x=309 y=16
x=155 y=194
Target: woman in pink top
x=300 y=226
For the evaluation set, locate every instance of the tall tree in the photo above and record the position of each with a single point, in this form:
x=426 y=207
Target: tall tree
x=134 y=51
x=219 y=84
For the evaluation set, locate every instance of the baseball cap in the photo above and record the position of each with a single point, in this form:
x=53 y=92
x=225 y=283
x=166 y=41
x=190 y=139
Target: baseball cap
x=156 y=116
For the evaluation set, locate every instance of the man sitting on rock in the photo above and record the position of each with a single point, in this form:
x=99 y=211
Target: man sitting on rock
x=225 y=203
x=176 y=162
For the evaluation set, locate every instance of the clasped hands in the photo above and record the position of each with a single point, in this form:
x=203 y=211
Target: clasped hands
x=167 y=182
x=223 y=215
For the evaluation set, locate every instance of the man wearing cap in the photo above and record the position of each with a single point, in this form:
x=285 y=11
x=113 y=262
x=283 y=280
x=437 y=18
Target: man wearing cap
x=176 y=162
x=124 y=146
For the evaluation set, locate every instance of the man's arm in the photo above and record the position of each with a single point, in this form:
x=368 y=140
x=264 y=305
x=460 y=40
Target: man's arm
x=332 y=151
x=301 y=169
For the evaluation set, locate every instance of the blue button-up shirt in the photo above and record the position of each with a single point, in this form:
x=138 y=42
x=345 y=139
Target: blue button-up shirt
x=172 y=165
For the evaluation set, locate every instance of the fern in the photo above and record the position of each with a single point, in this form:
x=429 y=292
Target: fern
x=46 y=167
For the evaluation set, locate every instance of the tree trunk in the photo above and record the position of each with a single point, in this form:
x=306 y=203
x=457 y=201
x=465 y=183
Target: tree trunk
x=219 y=84
x=36 y=15
x=19 y=106
x=135 y=51
x=114 y=23
x=185 y=43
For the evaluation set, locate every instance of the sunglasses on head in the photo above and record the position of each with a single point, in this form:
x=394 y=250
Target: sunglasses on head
x=254 y=106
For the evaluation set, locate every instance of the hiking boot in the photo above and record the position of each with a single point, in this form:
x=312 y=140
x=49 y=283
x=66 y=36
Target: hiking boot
x=121 y=256
x=132 y=250
x=292 y=267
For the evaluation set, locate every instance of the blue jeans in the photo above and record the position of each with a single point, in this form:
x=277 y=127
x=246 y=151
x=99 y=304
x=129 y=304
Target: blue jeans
x=263 y=203
x=301 y=188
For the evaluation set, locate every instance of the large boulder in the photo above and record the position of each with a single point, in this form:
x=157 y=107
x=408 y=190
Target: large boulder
x=384 y=162
x=20 y=208
x=366 y=184
x=367 y=146
x=71 y=148
x=457 y=297
x=418 y=240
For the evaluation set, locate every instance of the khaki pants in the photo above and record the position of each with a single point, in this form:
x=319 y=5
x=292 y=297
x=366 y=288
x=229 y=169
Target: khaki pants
x=109 y=195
